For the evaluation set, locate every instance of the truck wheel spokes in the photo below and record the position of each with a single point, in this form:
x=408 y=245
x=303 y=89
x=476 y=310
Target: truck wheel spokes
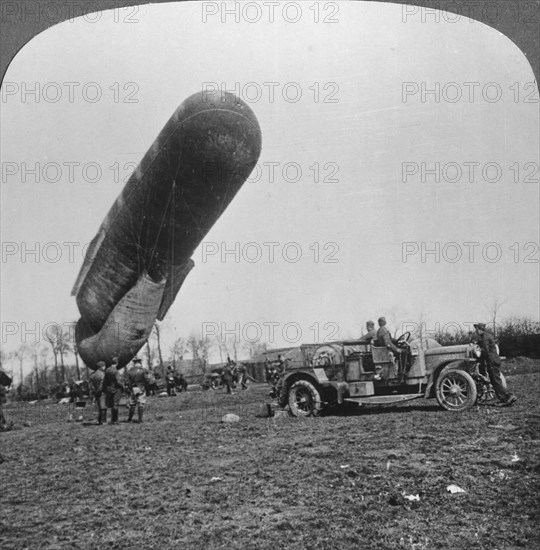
x=303 y=399
x=456 y=390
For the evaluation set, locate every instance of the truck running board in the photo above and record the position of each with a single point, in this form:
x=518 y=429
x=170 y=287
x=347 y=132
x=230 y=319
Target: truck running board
x=383 y=399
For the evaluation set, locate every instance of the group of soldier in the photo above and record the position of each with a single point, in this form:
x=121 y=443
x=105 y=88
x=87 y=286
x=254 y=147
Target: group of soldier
x=273 y=370
x=233 y=375
x=491 y=361
x=175 y=382
x=381 y=337
x=109 y=384
x=230 y=376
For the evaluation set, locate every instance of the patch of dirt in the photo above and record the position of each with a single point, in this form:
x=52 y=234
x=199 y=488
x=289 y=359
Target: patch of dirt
x=520 y=365
x=184 y=479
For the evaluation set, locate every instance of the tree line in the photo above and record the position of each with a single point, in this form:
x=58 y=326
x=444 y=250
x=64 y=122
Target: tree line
x=55 y=361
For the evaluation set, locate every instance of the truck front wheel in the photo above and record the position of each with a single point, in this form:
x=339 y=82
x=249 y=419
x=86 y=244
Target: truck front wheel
x=456 y=390
x=304 y=399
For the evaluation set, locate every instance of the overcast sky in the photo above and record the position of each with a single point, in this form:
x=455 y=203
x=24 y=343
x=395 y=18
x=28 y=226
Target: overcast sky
x=351 y=125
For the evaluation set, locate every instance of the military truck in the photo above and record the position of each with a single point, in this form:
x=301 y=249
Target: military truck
x=317 y=376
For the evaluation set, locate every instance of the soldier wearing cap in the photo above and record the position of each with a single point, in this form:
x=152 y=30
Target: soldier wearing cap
x=96 y=381
x=113 y=386
x=492 y=361
x=227 y=375
x=169 y=380
x=242 y=375
x=370 y=335
x=384 y=339
x=138 y=379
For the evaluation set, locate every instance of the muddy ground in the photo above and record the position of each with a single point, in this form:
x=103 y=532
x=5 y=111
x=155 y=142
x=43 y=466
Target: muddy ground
x=373 y=478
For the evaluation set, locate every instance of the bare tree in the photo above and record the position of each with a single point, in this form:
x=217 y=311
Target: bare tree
x=71 y=345
x=157 y=332
x=37 y=352
x=199 y=349
x=256 y=348
x=232 y=346
x=20 y=354
x=394 y=314
x=51 y=337
x=518 y=326
x=177 y=351
x=493 y=311
x=62 y=347
x=153 y=349
x=42 y=381
x=221 y=345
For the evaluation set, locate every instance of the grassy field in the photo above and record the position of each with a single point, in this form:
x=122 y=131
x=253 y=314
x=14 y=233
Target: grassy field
x=373 y=478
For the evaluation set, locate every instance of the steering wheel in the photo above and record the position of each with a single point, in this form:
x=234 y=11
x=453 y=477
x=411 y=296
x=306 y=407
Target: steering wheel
x=404 y=339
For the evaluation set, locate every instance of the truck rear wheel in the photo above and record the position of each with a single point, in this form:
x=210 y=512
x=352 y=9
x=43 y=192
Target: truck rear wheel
x=456 y=390
x=304 y=399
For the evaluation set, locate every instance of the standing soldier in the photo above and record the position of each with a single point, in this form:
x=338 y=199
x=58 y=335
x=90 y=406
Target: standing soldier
x=492 y=361
x=226 y=376
x=268 y=371
x=5 y=381
x=113 y=386
x=96 y=381
x=180 y=382
x=169 y=379
x=242 y=375
x=137 y=380
x=385 y=340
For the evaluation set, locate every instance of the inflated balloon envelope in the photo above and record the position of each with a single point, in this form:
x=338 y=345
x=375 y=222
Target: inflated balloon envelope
x=141 y=255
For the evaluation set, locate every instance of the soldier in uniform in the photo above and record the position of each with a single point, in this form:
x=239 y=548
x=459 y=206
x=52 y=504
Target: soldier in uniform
x=180 y=382
x=96 y=381
x=384 y=339
x=5 y=381
x=114 y=387
x=370 y=335
x=138 y=379
x=242 y=375
x=268 y=371
x=492 y=362
x=226 y=376
x=169 y=379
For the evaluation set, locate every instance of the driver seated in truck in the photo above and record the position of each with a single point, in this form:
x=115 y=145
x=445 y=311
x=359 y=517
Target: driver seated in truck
x=385 y=340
